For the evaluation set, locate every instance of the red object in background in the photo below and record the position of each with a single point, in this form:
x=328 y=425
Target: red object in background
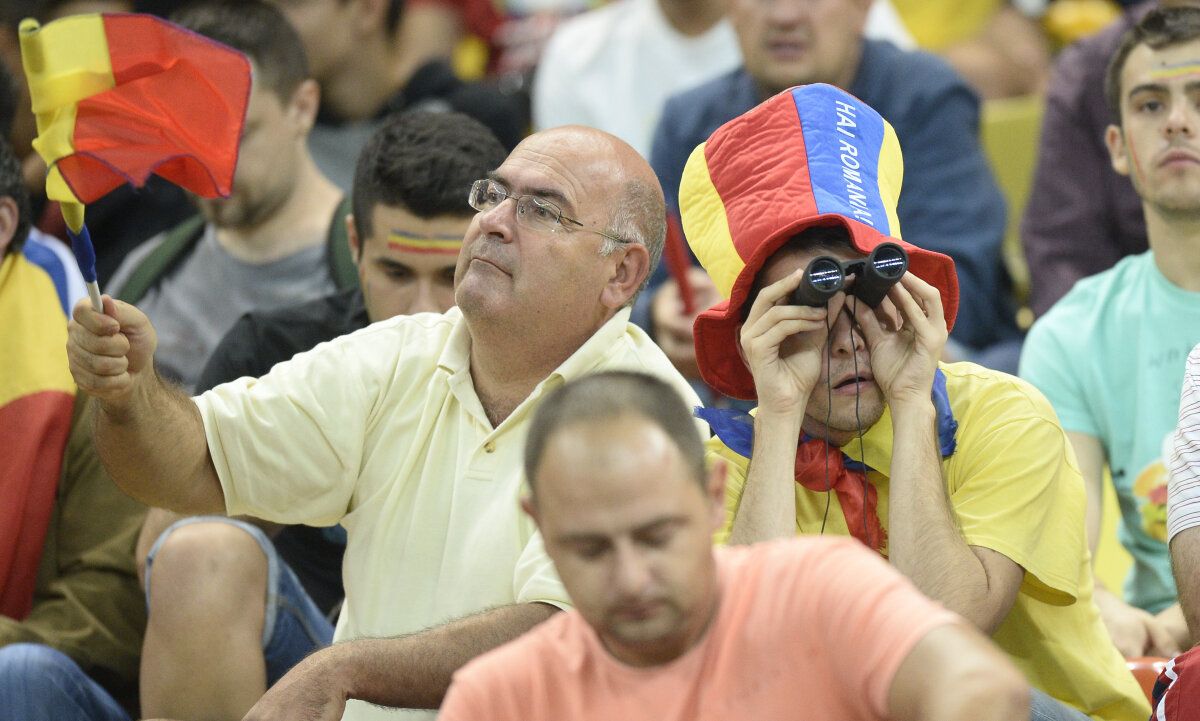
x=1146 y=670
x=675 y=255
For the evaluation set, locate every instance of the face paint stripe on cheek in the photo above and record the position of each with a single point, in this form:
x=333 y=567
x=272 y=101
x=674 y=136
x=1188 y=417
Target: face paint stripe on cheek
x=1137 y=163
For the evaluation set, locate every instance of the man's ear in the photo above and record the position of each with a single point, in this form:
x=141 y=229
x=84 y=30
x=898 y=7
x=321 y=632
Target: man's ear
x=9 y=216
x=630 y=270
x=1118 y=153
x=304 y=103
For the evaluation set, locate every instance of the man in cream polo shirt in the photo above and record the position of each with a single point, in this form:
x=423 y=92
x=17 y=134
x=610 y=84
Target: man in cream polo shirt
x=409 y=432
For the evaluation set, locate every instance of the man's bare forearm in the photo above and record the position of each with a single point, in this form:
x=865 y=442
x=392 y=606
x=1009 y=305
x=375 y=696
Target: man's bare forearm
x=153 y=445
x=768 y=505
x=924 y=540
x=414 y=671
x=1185 y=563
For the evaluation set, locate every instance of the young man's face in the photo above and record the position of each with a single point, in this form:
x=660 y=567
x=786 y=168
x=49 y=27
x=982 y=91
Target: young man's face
x=1158 y=145
x=629 y=529
x=845 y=393
x=406 y=266
x=269 y=155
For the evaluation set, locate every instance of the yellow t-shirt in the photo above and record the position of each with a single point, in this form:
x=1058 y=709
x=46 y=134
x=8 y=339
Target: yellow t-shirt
x=1016 y=489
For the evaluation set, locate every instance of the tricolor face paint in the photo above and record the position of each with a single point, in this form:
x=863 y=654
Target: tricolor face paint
x=407 y=265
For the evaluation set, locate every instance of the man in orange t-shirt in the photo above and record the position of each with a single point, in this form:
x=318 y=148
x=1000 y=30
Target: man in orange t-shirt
x=666 y=628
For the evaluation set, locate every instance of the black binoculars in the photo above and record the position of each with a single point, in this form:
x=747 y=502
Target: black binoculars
x=873 y=276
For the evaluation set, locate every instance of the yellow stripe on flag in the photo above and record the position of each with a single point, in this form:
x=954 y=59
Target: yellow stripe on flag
x=891 y=176
x=29 y=305
x=705 y=223
x=65 y=62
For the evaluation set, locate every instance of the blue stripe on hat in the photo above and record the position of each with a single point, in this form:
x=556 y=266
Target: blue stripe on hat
x=842 y=138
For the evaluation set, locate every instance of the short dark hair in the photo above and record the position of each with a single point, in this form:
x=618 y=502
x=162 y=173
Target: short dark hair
x=8 y=102
x=12 y=184
x=257 y=29
x=1160 y=27
x=424 y=163
x=606 y=397
x=814 y=237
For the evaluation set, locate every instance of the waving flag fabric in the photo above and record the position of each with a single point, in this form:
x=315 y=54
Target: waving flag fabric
x=118 y=97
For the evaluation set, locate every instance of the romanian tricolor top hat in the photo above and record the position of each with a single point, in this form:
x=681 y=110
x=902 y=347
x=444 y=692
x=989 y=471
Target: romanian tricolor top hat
x=812 y=155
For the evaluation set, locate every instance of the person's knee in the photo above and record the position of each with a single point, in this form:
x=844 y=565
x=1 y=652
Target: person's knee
x=216 y=567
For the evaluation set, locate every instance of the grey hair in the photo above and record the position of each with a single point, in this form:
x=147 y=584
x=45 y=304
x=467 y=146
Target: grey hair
x=641 y=218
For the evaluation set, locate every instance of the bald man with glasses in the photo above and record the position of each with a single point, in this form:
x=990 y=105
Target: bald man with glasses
x=409 y=432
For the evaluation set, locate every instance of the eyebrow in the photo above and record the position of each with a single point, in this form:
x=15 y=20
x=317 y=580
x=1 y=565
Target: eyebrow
x=550 y=194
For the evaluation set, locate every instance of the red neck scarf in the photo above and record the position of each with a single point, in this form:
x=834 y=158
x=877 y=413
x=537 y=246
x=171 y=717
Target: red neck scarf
x=857 y=497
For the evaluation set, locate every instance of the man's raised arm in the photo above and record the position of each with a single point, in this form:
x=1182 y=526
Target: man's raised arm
x=149 y=434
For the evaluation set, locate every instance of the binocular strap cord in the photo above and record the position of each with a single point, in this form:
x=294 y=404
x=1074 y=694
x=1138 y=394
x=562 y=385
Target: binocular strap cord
x=828 y=415
x=862 y=454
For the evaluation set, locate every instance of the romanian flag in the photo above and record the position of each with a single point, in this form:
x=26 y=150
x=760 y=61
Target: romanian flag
x=37 y=396
x=118 y=97
x=811 y=155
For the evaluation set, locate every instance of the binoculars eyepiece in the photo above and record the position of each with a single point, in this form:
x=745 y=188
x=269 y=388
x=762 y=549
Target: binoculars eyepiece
x=873 y=276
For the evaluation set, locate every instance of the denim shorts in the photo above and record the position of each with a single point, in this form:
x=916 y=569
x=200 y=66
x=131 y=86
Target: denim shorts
x=294 y=627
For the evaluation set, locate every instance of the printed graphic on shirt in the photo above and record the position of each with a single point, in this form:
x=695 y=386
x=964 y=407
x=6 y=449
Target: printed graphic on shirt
x=1151 y=488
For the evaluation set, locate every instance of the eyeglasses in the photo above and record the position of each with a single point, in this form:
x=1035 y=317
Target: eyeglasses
x=532 y=212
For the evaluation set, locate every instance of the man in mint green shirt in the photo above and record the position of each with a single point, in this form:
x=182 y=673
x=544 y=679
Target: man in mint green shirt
x=1110 y=355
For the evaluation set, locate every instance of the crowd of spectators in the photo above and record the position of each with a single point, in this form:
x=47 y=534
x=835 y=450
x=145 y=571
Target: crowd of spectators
x=364 y=435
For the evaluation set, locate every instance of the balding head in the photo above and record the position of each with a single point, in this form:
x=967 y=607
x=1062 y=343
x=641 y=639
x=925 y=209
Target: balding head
x=637 y=210
x=534 y=273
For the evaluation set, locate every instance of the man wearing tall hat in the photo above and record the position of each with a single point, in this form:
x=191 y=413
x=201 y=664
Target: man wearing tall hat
x=959 y=475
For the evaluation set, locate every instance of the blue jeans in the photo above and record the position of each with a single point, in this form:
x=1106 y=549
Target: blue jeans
x=39 y=683
x=294 y=627
x=1045 y=708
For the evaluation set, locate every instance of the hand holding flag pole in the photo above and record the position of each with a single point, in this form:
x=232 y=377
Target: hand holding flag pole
x=120 y=96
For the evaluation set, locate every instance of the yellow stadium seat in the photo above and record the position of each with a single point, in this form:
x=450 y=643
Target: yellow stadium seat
x=1009 y=129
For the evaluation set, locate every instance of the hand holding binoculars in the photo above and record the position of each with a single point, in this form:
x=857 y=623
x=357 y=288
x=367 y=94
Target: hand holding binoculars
x=873 y=276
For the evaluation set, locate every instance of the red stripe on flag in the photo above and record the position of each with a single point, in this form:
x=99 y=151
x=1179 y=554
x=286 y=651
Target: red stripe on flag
x=34 y=429
x=177 y=110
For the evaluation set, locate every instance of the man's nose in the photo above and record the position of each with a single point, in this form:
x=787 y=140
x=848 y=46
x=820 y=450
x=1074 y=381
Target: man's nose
x=1181 y=120
x=423 y=301
x=845 y=337
x=631 y=573
x=500 y=220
